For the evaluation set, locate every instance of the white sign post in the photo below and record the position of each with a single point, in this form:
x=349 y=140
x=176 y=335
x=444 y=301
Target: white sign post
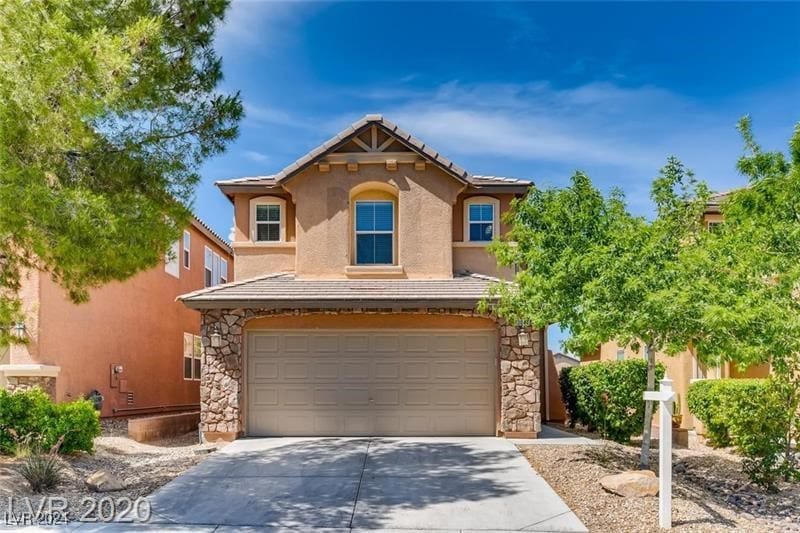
x=665 y=396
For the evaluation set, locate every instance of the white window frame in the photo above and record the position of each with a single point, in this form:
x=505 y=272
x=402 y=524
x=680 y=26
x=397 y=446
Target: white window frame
x=187 y=249
x=194 y=354
x=215 y=268
x=356 y=232
x=267 y=200
x=481 y=200
x=171 y=260
x=208 y=267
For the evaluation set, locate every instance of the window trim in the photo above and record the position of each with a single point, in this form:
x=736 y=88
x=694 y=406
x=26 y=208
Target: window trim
x=357 y=232
x=172 y=260
x=196 y=342
x=208 y=253
x=268 y=200
x=495 y=217
x=186 y=258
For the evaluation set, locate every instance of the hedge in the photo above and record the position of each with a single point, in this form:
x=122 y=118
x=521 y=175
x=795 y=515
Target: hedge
x=607 y=396
x=757 y=417
x=32 y=416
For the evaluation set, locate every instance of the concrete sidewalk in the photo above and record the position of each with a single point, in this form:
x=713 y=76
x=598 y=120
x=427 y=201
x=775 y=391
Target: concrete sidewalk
x=348 y=484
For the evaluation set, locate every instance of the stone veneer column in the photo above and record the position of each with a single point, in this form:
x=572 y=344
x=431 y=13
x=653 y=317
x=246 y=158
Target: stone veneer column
x=24 y=383
x=520 y=397
x=221 y=388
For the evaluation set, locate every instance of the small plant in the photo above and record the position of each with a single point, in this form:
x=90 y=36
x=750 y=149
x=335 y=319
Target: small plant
x=42 y=471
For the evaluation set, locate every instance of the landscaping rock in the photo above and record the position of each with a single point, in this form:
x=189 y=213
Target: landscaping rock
x=103 y=481
x=632 y=484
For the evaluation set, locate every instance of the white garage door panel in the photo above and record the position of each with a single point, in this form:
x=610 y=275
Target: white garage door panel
x=371 y=382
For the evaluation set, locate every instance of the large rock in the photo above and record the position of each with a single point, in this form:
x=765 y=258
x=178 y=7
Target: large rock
x=633 y=484
x=102 y=481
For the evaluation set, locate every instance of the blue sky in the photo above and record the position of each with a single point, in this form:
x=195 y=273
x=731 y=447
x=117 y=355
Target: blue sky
x=531 y=90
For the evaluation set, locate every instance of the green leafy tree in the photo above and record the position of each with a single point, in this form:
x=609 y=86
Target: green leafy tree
x=745 y=278
x=107 y=110
x=592 y=267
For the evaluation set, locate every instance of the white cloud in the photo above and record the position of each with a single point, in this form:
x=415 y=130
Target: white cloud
x=258 y=157
x=257 y=26
x=597 y=123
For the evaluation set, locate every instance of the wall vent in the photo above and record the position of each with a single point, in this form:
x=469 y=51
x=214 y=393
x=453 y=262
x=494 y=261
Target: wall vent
x=130 y=400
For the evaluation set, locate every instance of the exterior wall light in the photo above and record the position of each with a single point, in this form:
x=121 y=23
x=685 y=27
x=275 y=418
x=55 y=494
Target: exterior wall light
x=18 y=330
x=523 y=337
x=216 y=337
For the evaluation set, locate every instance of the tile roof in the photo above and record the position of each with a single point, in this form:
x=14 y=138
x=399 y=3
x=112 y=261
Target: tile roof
x=282 y=290
x=406 y=138
x=205 y=228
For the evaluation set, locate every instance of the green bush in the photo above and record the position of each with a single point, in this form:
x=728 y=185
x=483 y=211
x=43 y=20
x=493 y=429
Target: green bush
x=758 y=416
x=568 y=394
x=705 y=402
x=31 y=415
x=607 y=396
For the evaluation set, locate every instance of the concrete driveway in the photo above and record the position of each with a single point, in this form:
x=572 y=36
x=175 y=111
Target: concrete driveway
x=365 y=483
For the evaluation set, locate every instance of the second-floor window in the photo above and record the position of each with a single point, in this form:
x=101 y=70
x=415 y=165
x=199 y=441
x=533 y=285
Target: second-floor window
x=481 y=219
x=267 y=219
x=215 y=268
x=187 y=248
x=374 y=237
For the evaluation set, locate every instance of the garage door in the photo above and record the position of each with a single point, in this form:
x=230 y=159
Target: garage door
x=371 y=382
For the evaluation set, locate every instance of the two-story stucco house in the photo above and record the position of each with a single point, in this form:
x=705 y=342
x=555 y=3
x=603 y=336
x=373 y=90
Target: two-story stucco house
x=352 y=311
x=131 y=342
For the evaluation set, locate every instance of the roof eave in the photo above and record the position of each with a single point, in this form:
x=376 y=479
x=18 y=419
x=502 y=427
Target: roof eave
x=273 y=304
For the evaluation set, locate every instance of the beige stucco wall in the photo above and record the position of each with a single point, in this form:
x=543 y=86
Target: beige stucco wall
x=475 y=258
x=258 y=259
x=424 y=218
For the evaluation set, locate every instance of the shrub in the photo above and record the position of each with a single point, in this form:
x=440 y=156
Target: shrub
x=705 y=402
x=31 y=415
x=568 y=394
x=607 y=396
x=758 y=416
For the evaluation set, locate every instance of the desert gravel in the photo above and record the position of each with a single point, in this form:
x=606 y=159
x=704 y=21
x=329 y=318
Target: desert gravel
x=143 y=467
x=710 y=493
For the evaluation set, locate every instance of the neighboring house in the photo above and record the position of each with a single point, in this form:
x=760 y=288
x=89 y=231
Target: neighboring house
x=358 y=271
x=684 y=368
x=132 y=342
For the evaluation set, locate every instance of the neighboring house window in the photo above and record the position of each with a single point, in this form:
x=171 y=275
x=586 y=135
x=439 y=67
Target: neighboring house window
x=171 y=265
x=481 y=215
x=713 y=225
x=215 y=269
x=268 y=219
x=620 y=354
x=187 y=248
x=207 y=266
x=374 y=223
x=192 y=350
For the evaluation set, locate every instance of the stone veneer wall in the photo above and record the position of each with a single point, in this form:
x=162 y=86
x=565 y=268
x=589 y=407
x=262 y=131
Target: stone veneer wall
x=222 y=392
x=23 y=383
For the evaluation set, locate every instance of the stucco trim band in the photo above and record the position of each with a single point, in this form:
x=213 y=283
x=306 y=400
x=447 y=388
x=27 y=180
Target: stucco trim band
x=21 y=370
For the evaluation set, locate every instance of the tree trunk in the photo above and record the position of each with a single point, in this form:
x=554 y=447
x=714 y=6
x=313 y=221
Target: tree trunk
x=644 y=458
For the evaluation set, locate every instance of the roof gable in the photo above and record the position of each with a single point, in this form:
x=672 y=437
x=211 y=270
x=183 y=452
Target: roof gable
x=372 y=134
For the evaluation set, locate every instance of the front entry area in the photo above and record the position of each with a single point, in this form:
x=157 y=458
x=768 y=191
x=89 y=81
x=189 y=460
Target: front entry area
x=377 y=381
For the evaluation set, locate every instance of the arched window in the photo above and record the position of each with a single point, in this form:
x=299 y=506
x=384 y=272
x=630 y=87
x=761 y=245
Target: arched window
x=481 y=216
x=267 y=219
x=374 y=216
